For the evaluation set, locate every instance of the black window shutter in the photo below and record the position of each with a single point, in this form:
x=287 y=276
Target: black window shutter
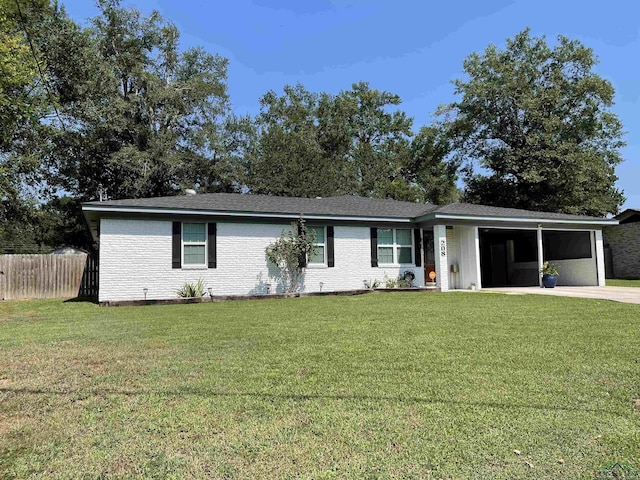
x=418 y=246
x=330 y=256
x=212 y=231
x=176 y=245
x=302 y=259
x=374 y=247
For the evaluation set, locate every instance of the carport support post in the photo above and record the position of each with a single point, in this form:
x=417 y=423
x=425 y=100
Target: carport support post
x=540 y=255
x=600 y=258
x=441 y=254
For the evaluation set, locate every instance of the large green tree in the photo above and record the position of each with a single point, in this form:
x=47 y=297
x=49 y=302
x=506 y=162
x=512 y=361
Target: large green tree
x=23 y=103
x=380 y=138
x=431 y=169
x=310 y=144
x=144 y=119
x=117 y=109
x=21 y=86
x=302 y=145
x=133 y=114
x=537 y=119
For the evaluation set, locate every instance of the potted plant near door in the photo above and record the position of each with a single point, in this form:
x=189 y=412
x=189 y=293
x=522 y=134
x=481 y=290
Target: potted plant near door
x=549 y=275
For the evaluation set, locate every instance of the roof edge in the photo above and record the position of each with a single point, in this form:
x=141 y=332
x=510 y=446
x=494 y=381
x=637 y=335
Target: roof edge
x=454 y=216
x=99 y=207
x=92 y=207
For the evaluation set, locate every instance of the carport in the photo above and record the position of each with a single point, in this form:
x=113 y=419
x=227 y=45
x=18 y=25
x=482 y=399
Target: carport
x=508 y=258
x=476 y=246
x=511 y=257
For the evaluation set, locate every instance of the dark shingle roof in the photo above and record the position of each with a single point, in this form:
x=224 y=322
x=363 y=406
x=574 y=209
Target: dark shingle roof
x=630 y=215
x=487 y=211
x=344 y=206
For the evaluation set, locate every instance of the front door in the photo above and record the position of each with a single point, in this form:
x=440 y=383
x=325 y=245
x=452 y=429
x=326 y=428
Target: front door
x=429 y=255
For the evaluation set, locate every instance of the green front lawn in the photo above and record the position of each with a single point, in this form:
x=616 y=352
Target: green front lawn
x=616 y=282
x=404 y=385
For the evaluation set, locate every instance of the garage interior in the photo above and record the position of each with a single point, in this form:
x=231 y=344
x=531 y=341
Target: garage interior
x=508 y=258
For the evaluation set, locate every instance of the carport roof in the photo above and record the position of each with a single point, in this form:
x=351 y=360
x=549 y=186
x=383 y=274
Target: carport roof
x=467 y=209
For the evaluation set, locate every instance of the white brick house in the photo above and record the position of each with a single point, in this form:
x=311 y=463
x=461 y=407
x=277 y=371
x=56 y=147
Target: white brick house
x=150 y=247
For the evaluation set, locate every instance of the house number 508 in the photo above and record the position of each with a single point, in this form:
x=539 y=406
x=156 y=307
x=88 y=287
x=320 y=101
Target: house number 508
x=443 y=248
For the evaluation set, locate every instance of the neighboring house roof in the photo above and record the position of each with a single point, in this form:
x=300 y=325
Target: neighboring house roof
x=344 y=208
x=630 y=215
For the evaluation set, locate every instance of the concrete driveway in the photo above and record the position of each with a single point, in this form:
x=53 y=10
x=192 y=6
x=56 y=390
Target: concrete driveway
x=616 y=294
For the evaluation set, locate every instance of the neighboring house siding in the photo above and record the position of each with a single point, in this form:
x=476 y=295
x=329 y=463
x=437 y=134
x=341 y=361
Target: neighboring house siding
x=136 y=254
x=623 y=242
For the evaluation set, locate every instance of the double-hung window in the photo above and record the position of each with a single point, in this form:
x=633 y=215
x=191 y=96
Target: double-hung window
x=395 y=246
x=194 y=244
x=320 y=255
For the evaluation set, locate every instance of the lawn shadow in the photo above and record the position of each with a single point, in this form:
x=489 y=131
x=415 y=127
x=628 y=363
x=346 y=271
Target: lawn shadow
x=85 y=393
x=85 y=299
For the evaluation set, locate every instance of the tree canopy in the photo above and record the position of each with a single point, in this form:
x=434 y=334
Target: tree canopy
x=142 y=118
x=301 y=146
x=118 y=109
x=356 y=142
x=537 y=120
x=23 y=100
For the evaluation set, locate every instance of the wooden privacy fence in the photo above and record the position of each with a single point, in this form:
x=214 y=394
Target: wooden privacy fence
x=46 y=276
x=89 y=284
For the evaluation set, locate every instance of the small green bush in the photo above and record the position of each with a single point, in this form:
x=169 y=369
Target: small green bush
x=550 y=269
x=404 y=280
x=390 y=282
x=371 y=284
x=190 y=290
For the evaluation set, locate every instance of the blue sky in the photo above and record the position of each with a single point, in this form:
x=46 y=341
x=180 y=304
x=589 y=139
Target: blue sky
x=411 y=48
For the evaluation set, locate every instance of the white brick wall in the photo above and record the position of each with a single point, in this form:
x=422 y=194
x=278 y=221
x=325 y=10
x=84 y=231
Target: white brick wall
x=135 y=254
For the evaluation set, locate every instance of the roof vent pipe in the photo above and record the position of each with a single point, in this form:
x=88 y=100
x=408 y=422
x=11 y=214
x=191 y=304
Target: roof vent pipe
x=190 y=191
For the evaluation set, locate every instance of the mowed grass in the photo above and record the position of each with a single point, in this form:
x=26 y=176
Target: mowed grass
x=403 y=385
x=619 y=282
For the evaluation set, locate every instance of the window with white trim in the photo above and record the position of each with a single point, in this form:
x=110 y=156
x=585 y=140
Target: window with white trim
x=395 y=246
x=320 y=255
x=194 y=244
